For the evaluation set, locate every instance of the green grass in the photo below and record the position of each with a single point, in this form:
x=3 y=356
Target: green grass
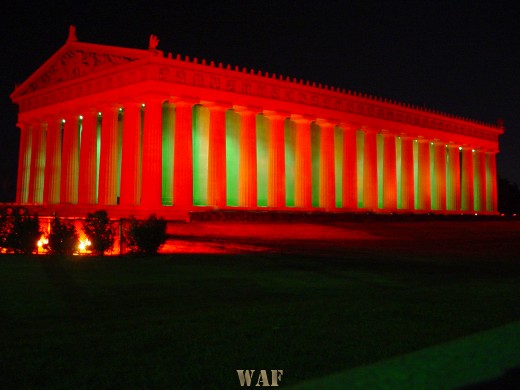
x=190 y=321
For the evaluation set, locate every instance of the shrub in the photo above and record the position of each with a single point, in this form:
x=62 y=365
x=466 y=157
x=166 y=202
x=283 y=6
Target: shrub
x=99 y=230
x=19 y=231
x=63 y=238
x=147 y=236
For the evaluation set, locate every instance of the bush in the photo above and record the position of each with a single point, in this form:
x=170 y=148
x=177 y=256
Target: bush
x=19 y=231
x=63 y=238
x=98 y=229
x=146 y=237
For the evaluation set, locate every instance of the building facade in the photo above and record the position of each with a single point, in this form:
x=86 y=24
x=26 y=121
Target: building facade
x=137 y=131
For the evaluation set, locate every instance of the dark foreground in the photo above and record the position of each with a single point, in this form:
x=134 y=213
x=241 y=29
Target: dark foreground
x=311 y=300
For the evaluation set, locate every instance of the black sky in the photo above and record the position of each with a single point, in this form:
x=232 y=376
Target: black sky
x=453 y=56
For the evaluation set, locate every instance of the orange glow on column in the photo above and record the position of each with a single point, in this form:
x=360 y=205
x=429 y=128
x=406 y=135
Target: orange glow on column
x=108 y=159
x=151 y=190
x=183 y=166
x=88 y=159
x=370 y=170
x=302 y=162
x=247 y=170
x=51 y=190
x=389 y=172
x=131 y=158
x=217 y=156
x=349 y=166
x=327 y=182
x=276 y=167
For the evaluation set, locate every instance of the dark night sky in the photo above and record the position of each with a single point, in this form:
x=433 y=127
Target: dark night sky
x=453 y=56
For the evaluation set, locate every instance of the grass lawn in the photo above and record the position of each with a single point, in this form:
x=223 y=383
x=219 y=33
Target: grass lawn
x=309 y=307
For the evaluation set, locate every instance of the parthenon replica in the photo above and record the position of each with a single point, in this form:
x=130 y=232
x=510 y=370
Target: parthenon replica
x=137 y=131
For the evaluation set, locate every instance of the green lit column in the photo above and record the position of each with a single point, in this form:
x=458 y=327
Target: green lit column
x=453 y=178
x=51 y=189
x=407 y=186
x=88 y=158
x=168 y=136
x=302 y=162
x=370 y=195
x=467 y=182
x=70 y=160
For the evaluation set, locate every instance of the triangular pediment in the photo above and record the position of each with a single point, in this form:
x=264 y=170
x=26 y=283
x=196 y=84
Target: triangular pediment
x=76 y=60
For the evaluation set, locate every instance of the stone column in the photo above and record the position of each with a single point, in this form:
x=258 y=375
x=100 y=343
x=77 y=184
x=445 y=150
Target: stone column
x=491 y=187
x=70 y=161
x=247 y=170
x=51 y=189
x=389 y=172
x=276 y=170
x=453 y=178
x=183 y=155
x=217 y=156
x=480 y=180
x=467 y=180
x=439 y=176
x=302 y=162
x=423 y=177
x=327 y=177
x=88 y=158
x=151 y=190
x=24 y=163
x=131 y=155
x=168 y=153
x=370 y=170
x=107 y=194
x=36 y=183
x=407 y=174
x=349 y=166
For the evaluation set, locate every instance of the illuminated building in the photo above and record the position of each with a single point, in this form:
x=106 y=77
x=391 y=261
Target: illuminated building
x=137 y=131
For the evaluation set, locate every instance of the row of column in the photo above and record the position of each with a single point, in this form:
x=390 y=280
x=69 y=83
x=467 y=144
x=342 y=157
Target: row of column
x=153 y=153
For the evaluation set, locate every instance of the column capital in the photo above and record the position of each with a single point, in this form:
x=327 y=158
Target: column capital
x=349 y=126
x=276 y=114
x=369 y=129
x=304 y=119
x=246 y=109
x=185 y=100
x=325 y=122
x=216 y=106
